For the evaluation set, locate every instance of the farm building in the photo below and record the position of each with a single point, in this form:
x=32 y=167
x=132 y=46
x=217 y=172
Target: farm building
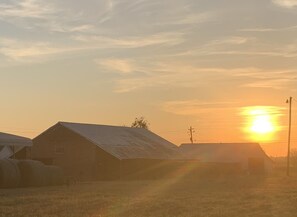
x=99 y=152
x=13 y=146
x=249 y=156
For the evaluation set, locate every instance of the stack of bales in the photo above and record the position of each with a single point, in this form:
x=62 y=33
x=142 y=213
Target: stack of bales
x=9 y=174
x=28 y=173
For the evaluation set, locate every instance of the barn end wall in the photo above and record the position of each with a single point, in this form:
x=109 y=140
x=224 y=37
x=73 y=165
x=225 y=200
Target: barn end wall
x=80 y=159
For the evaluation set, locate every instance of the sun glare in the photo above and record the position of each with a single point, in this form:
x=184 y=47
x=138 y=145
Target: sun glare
x=261 y=122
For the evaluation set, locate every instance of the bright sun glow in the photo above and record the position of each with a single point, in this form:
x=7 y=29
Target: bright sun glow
x=261 y=122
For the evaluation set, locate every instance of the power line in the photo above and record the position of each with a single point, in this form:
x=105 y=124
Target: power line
x=289 y=135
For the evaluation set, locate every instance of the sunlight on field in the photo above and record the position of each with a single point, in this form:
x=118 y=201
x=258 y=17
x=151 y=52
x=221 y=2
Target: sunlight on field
x=233 y=196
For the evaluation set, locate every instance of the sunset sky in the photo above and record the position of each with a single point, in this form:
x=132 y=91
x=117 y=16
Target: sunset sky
x=178 y=63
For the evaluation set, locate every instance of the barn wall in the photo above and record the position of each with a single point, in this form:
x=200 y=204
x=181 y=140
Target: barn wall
x=155 y=169
x=22 y=154
x=268 y=165
x=79 y=158
x=106 y=167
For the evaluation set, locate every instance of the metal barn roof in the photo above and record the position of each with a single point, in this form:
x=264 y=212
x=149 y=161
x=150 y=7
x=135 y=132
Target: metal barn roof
x=222 y=152
x=125 y=142
x=13 y=140
x=10 y=144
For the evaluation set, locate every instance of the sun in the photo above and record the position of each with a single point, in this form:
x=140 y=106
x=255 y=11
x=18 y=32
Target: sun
x=261 y=123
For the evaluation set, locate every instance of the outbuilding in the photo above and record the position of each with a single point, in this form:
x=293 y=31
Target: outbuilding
x=249 y=156
x=12 y=146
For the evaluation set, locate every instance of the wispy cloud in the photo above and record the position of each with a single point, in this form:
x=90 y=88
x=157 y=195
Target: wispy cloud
x=275 y=83
x=194 y=107
x=288 y=28
x=166 y=38
x=24 y=50
x=238 y=45
x=108 y=12
x=118 y=65
x=27 y=9
x=189 y=19
x=273 y=79
x=53 y=17
x=286 y=3
x=171 y=74
x=233 y=40
x=34 y=51
x=218 y=46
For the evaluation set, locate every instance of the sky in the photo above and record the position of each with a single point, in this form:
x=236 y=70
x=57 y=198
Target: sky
x=178 y=63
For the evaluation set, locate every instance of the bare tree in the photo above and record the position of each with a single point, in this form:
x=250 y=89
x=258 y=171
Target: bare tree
x=140 y=123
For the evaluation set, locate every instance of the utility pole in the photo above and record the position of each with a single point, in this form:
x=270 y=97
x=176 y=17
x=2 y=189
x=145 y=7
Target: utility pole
x=191 y=131
x=289 y=136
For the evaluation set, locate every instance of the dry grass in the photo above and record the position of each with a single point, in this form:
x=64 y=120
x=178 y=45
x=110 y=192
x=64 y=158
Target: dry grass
x=275 y=195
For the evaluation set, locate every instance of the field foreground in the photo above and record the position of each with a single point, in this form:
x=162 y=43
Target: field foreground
x=275 y=195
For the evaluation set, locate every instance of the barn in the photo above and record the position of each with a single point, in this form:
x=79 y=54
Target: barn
x=13 y=146
x=249 y=156
x=100 y=152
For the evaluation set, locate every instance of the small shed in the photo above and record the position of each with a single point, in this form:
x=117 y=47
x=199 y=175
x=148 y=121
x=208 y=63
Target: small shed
x=250 y=156
x=92 y=152
x=12 y=145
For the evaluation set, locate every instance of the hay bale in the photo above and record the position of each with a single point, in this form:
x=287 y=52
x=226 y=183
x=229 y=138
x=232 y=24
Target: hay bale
x=55 y=175
x=33 y=173
x=9 y=174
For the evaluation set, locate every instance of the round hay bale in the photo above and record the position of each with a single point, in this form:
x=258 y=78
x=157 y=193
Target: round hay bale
x=9 y=174
x=33 y=173
x=55 y=175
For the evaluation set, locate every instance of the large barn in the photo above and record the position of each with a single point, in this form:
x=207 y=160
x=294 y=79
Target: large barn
x=96 y=152
x=13 y=146
x=250 y=156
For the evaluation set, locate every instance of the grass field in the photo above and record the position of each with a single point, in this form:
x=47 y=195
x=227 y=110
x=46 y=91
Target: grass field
x=274 y=195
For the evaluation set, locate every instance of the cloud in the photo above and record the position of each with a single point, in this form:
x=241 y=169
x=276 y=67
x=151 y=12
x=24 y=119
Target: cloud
x=288 y=28
x=233 y=40
x=23 y=51
x=34 y=51
x=188 y=19
x=118 y=65
x=166 y=38
x=53 y=17
x=282 y=53
x=237 y=45
x=219 y=46
x=194 y=107
x=274 y=79
x=27 y=9
x=286 y=3
x=17 y=50
x=170 y=74
x=277 y=83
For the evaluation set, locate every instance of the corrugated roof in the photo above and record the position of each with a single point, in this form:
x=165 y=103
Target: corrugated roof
x=13 y=140
x=5 y=152
x=125 y=142
x=222 y=152
x=10 y=144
